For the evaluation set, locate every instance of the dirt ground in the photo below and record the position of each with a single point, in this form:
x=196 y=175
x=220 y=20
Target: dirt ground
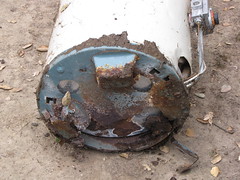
x=28 y=152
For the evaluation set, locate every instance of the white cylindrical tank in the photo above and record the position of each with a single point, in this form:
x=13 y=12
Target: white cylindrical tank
x=114 y=74
x=164 y=22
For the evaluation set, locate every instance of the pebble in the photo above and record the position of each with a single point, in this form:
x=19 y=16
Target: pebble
x=225 y=88
x=35 y=124
x=200 y=95
x=47 y=134
x=2 y=61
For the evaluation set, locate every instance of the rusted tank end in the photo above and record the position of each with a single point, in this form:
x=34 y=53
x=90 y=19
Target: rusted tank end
x=113 y=97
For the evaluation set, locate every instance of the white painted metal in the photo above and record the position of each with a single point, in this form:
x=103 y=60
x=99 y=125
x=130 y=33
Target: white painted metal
x=164 y=22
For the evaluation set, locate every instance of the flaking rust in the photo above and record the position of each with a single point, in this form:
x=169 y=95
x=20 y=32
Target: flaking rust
x=133 y=103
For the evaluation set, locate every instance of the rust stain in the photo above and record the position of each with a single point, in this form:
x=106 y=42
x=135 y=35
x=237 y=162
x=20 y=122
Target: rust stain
x=170 y=97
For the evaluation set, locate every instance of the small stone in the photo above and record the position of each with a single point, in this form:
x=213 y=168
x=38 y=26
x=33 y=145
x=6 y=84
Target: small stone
x=155 y=163
x=47 y=134
x=225 y=88
x=1 y=80
x=2 y=61
x=200 y=95
x=35 y=124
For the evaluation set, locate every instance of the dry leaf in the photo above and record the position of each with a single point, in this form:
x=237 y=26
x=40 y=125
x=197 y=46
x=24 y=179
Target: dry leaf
x=27 y=46
x=29 y=80
x=226 y=24
x=124 y=155
x=66 y=100
x=2 y=67
x=202 y=121
x=200 y=95
x=231 y=7
x=40 y=62
x=215 y=171
x=64 y=7
x=216 y=159
x=15 y=90
x=146 y=167
x=12 y=21
x=164 y=149
x=208 y=117
x=184 y=168
x=42 y=48
x=21 y=53
x=189 y=132
x=36 y=73
x=228 y=43
x=230 y=129
x=225 y=88
x=5 y=87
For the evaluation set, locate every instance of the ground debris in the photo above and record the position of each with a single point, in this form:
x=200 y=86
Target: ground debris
x=21 y=53
x=215 y=171
x=34 y=124
x=40 y=62
x=226 y=24
x=155 y=163
x=189 y=132
x=164 y=149
x=64 y=7
x=225 y=88
x=2 y=67
x=5 y=87
x=2 y=61
x=209 y=117
x=27 y=46
x=146 y=167
x=12 y=21
x=36 y=73
x=42 y=48
x=66 y=100
x=238 y=144
x=216 y=159
x=124 y=155
x=15 y=90
x=231 y=7
x=200 y=95
x=228 y=43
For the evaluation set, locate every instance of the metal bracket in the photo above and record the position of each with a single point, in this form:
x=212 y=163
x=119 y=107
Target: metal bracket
x=204 y=20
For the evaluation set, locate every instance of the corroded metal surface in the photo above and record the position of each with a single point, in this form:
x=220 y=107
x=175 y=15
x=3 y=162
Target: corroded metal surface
x=113 y=106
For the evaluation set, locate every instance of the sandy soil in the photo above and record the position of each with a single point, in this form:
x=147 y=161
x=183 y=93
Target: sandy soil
x=26 y=150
